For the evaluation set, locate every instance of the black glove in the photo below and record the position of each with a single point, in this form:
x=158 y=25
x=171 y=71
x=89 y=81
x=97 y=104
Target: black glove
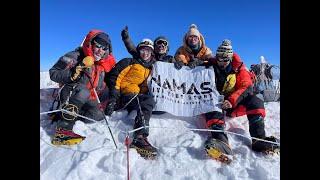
x=178 y=65
x=207 y=64
x=110 y=107
x=125 y=33
x=194 y=62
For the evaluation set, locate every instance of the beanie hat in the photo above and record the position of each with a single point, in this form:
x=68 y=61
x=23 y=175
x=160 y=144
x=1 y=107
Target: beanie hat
x=103 y=39
x=225 y=49
x=193 y=30
x=145 y=43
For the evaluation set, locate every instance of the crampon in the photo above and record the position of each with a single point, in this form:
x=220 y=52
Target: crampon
x=215 y=154
x=149 y=155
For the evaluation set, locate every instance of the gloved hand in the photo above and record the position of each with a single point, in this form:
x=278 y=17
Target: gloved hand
x=178 y=64
x=87 y=62
x=207 y=64
x=125 y=33
x=75 y=73
x=226 y=104
x=110 y=107
x=194 y=62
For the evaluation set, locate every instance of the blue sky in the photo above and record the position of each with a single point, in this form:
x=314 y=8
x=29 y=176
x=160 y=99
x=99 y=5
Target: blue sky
x=253 y=26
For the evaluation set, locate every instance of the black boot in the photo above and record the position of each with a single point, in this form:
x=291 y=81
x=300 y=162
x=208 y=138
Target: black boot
x=143 y=147
x=266 y=147
x=141 y=121
x=256 y=128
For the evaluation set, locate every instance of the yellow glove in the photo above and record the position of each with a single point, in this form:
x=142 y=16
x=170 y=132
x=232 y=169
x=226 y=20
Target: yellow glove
x=76 y=72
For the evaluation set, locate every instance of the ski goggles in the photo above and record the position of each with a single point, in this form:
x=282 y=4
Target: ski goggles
x=97 y=45
x=162 y=41
x=147 y=43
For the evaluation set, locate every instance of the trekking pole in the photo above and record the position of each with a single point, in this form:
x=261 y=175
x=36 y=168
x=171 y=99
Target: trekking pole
x=127 y=142
x=221 y=100
x=97 y=97
x=142 y=116
x=95 y=92
x=129 y=102
x=277 y=91
x=224 y=115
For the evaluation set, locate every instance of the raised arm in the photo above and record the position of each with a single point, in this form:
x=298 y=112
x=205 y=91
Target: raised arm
x=131 y=48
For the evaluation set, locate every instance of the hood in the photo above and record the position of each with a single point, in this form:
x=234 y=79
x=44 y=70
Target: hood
x=86 y=46
x=237 y=63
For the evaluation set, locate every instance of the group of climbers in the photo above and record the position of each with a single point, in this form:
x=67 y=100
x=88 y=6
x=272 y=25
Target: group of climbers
x=90 y=72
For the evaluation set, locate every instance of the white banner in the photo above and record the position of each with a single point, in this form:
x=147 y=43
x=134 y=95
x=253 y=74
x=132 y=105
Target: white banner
x=185 y=92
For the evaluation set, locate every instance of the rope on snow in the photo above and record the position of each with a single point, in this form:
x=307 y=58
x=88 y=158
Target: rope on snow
x=134 y=130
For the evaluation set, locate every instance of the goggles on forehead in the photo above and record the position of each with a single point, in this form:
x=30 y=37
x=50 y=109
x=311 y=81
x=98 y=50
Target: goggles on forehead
x=146 y=43
x=97 y=45
x=161 y=41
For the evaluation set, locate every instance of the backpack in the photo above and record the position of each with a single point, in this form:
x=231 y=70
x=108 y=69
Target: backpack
x=55 y=116
x=263 y=76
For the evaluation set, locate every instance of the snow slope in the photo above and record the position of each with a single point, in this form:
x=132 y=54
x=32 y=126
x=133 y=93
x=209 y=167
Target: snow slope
x=181 y=156
x=45 y=81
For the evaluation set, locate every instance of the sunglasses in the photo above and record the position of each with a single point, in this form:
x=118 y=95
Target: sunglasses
x=223 y=59
x=97 y=45
x=193 y=37
x=159 y=42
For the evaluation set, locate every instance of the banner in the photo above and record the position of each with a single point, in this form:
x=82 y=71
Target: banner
x=185 y=92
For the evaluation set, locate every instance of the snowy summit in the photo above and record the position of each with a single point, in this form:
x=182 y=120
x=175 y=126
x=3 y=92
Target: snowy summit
x=181 y=152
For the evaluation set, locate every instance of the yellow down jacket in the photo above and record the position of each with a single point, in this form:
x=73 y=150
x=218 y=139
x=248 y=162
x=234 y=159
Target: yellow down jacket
x=129 y=76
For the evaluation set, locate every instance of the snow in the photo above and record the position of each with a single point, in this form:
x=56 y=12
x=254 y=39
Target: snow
x=181 y=152
x=45 y=81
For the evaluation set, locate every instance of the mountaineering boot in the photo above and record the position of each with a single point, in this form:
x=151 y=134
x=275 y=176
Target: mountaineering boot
x=256 y=128
x=266 y=147
x=217 y=148
x=66 y=137
x=143 y=147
